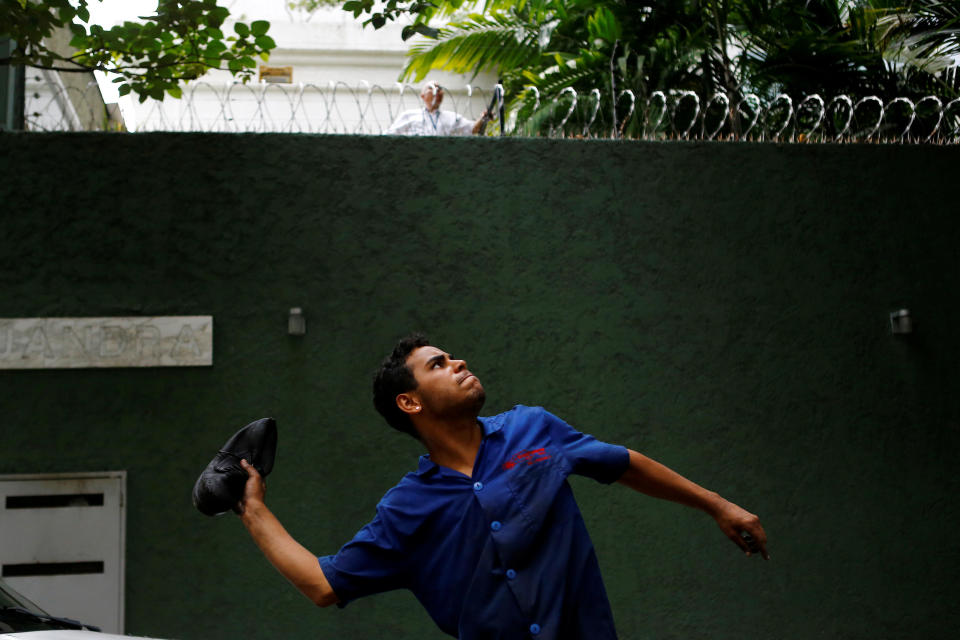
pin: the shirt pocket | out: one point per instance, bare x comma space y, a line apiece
535, 482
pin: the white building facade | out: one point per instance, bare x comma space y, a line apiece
328, 74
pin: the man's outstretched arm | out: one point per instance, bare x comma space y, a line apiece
654, 479
290, 558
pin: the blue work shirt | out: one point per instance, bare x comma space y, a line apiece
504, 554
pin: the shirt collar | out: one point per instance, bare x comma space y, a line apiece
490, 426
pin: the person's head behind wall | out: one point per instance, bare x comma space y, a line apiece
432, 95
393, 378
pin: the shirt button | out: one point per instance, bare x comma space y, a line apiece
534, 629
511, 574
477, 486
495, 525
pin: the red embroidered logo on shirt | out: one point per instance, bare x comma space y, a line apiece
530, 457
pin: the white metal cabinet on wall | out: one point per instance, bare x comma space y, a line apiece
62, 543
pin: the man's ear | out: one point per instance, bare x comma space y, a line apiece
409, 403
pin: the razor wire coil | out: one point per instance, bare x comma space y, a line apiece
338, 107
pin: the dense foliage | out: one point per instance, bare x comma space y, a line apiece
181, 41
729, 47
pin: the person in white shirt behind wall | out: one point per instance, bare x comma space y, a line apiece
430, 120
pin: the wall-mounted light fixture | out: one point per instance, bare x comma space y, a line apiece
901, 322
297, 323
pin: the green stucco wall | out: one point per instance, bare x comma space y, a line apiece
720, 307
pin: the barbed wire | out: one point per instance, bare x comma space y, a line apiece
369, 109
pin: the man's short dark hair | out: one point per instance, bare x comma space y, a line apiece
393, 378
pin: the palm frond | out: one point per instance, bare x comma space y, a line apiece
571, 73
474, 45
924, 33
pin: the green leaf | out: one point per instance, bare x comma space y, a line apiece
216, 16
83, 14
175, 91
215, 48
242, 30
265, 42
412, 29
123, 89
259, 27
604, 27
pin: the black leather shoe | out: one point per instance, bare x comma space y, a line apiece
220, 487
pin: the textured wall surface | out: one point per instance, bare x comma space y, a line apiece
720, 307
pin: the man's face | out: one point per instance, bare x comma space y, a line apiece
445, 387
432, 96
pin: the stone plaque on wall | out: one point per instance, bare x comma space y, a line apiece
73, 343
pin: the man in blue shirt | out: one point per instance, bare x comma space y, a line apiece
486, 533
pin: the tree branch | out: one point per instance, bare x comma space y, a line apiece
118, 70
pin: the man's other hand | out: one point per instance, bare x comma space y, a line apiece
743, 528
481, 124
